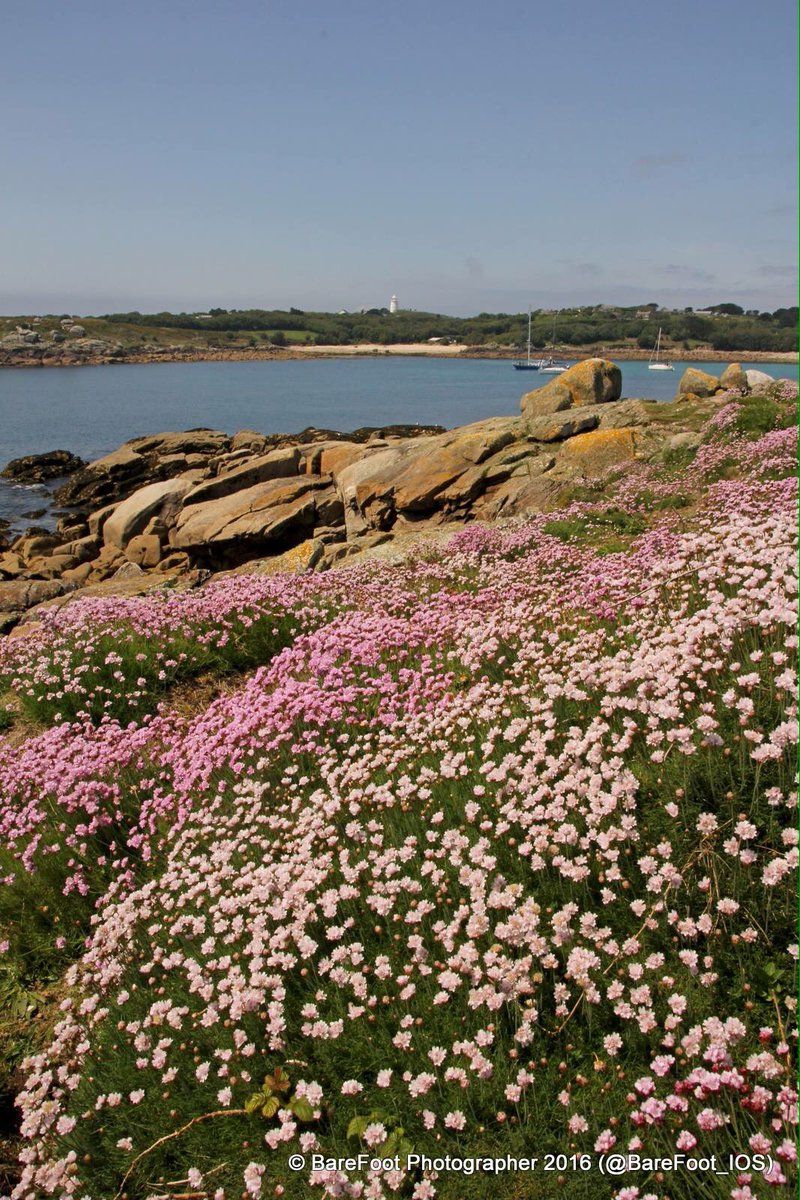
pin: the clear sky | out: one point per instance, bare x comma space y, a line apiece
467, 156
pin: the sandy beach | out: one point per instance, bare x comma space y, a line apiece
436, 351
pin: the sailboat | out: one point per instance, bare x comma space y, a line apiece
549, 366
655, 364
529, 364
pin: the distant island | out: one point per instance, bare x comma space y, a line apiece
718, 333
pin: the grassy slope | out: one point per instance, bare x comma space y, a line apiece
608, 521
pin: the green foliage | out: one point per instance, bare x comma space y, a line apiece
588, 325
678, 458
587, 526
679, 500
759, 415
274, 1095
395, 1143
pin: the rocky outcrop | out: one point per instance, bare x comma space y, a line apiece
594, 381
142, 460
36, 468
412, 480
277, 464
558, 428
176, 505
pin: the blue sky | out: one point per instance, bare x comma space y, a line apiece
466, 156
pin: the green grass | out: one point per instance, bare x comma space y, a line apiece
601, 529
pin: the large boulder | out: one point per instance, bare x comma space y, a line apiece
758, 381
420, 476
698, 383
329, 458
129, 518
249, 439
106, 479
734, 377
365, 484
238, 526
594, 381
419, 481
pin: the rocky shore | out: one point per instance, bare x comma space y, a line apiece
30, 350
171, 509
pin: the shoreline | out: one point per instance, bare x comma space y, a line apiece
369, 350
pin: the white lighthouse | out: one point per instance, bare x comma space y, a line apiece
393, 304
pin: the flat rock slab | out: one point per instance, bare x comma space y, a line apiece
20, 594
189, 441
278, 464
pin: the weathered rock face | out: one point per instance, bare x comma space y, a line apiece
595, 381
413, 478
131, 516
144, 550
190, 441
558, 428
21, 594
249, 439
596, 452
35, 468
236, 527
698, 383
734, 376
278, 464
142, 460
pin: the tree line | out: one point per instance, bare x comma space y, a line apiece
724, 327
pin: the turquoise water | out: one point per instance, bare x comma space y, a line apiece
92, 410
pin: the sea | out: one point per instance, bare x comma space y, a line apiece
92, 410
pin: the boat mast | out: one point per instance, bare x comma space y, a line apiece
529, 334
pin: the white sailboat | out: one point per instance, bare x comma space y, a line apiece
549, 366
655, 364
529, 364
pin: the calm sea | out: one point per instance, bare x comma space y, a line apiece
92, 410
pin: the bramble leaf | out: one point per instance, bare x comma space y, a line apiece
301, 1108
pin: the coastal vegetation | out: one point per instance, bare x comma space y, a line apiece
725, 327
484, 850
